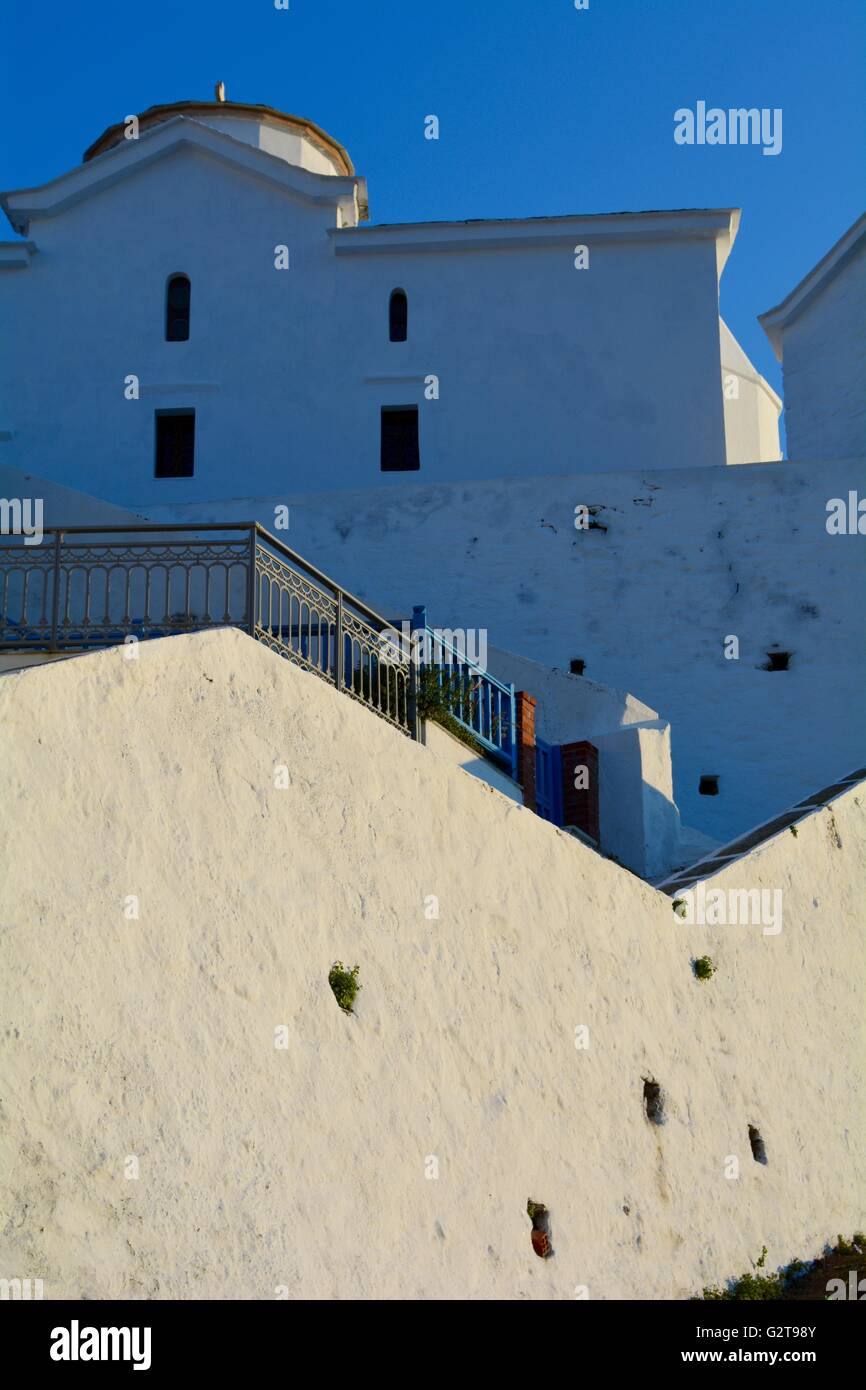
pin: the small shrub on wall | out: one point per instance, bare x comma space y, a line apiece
345, 985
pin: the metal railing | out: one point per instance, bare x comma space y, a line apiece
481, 704
85, 587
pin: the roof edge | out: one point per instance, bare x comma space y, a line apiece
812, 284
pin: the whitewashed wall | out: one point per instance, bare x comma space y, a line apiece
308, 1167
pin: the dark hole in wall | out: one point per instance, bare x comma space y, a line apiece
777, 661
577, 666
653, 1102
709, 786
759, 1149
540, 1218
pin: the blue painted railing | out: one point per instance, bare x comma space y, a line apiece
481, 704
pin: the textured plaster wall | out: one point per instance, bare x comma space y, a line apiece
391, 1153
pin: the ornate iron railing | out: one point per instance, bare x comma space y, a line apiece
84, 587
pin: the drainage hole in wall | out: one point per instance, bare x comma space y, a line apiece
653, 1102
708, 786
777, 661
759, 1148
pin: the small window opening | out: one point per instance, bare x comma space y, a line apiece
778, 661
759, 1149
708, 786
399, 317
400, 450
653, 1102
177, 301
577, 666
175, 444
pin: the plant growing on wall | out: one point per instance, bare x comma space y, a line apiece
704, 968
439, 694
799, 1279
345, 985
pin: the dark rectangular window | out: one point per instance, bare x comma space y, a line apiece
400, 449
175, 443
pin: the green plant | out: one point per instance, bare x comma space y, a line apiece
793, 830
751, 1287
535, 1210
704, 968
345, 985
677, 904
440, 694
799, 1279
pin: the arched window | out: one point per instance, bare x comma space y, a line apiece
177, 296
399, 317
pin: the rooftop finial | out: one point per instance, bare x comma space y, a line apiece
220, 91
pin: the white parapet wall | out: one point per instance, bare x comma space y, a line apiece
192, 837
639, 822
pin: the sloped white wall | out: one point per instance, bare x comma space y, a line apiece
311, 1168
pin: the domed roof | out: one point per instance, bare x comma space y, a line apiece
217, 112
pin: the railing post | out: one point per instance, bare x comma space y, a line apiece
512, 731
251, 583
339, 655
418, 624
55, 598
412, 700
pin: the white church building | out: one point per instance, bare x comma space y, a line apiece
201, 309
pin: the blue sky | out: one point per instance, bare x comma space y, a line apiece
544, 109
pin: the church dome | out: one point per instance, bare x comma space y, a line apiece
297, 141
